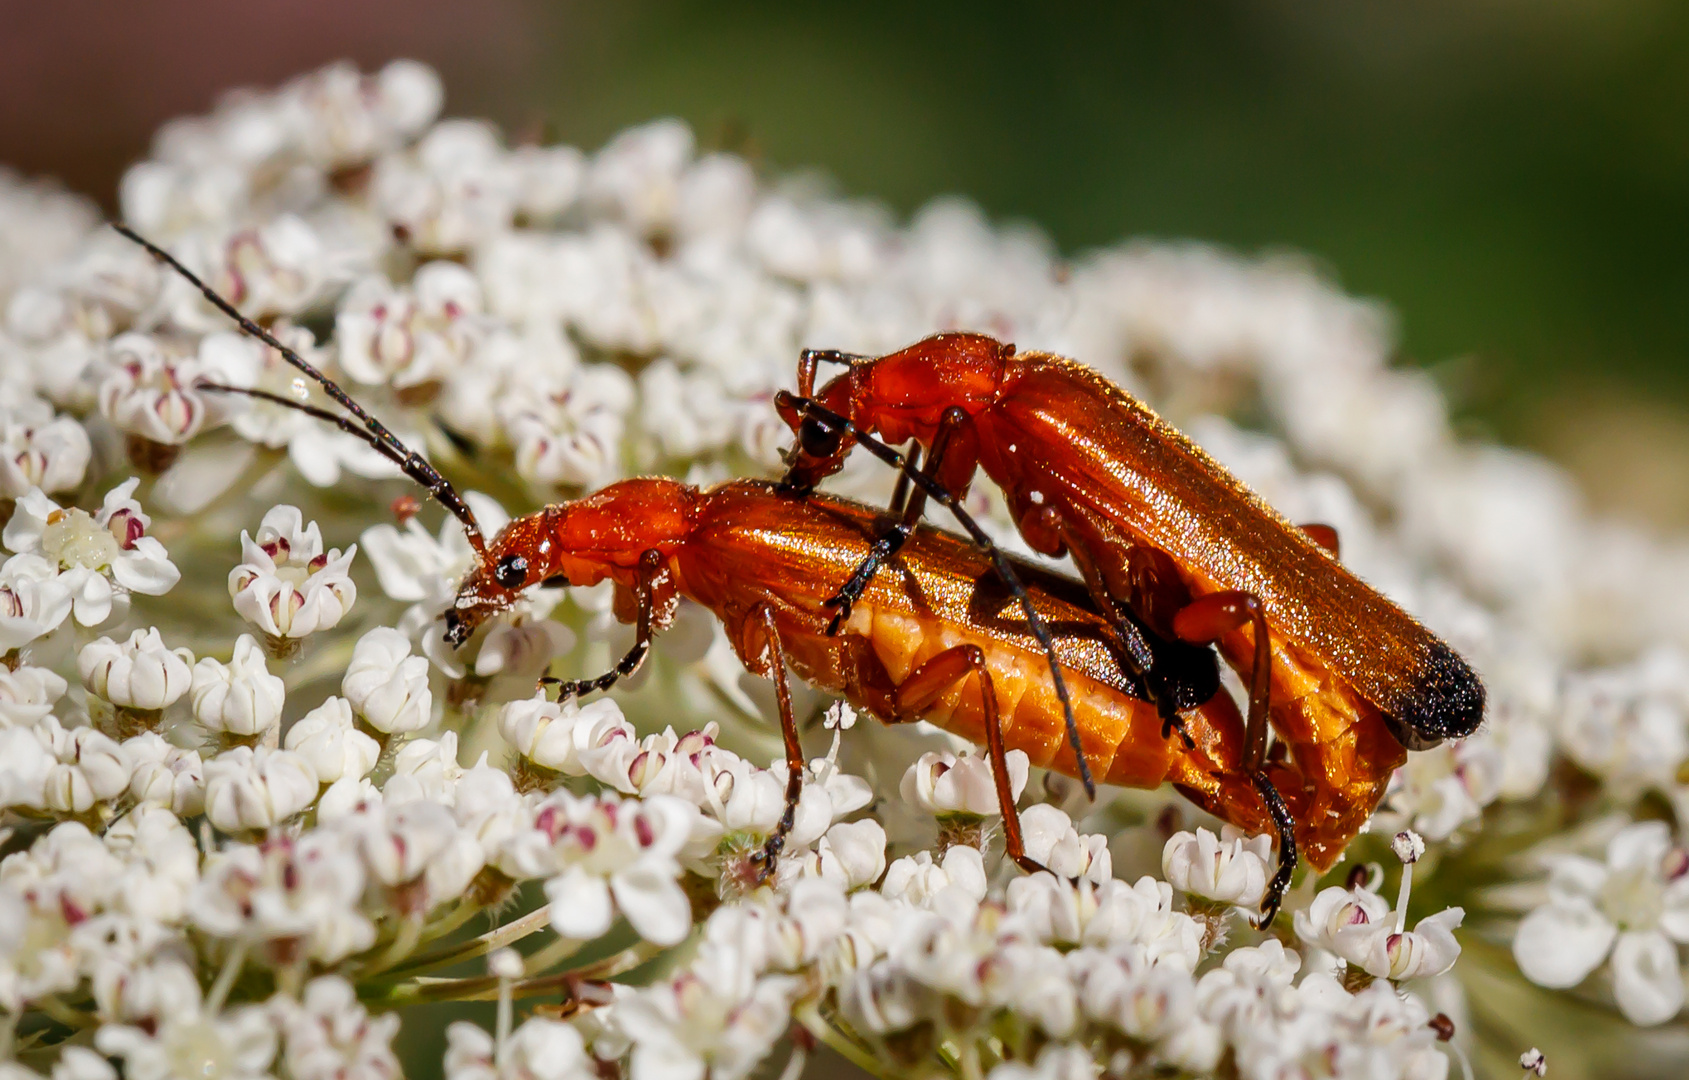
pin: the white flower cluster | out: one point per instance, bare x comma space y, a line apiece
238, 834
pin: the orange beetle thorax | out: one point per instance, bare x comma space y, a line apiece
903, 395
604, 534
900, 396
582, 542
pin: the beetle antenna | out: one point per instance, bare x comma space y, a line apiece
937, 492
810, 359
345, 424
372, 431
834, 356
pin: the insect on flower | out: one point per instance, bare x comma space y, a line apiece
938, 640
1165, 538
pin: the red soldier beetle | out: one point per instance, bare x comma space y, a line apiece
938, 647
1156, 527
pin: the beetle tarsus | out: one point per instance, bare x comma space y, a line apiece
769, 859
1285, 825
651, 568
852, 590
1176, 723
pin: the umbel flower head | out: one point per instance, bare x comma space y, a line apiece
251, 819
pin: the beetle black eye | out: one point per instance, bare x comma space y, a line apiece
511, 571
819, 440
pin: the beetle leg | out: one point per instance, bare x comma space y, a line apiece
884, 548
1323, 535
764, 613
900, 487
653, 578
907, 506
926, 684
810, 359
1054, 536
1206, 620
1285, 825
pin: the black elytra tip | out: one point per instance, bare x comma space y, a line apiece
1447, 702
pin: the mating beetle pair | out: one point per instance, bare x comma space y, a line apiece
1116, 676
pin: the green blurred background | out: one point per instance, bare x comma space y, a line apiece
1511, 176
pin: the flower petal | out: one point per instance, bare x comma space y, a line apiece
580, 904
665, 1060
654, 903
91, 594
1643, 844
1558, 945
1674, 920
1573, 878
146, 569
1647, 983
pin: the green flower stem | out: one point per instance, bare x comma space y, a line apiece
70, 1017
486, 987
232, 965
404, 943
553, 954
841, 1043
496, 938
461, 912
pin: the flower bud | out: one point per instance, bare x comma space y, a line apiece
853, 853
398, 845
33, 600
286, 584
127, 991
138, 674
39, 450
425, 769
254, 789
27, 695
942, 783
1340, 919
327, 738
410, 335
156, 396
916, 878
241, 697
27, 752
554, 735
386, 685
1052, 840
569, 429
1428, 949
1228, 869
636, 175
166, 775
91, 768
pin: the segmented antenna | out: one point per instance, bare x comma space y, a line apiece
936, 491
372, 430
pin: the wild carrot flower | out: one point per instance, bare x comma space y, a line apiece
249, 820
